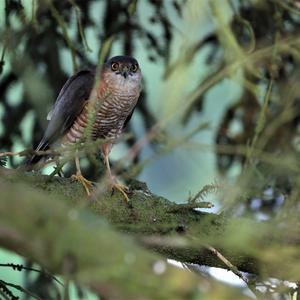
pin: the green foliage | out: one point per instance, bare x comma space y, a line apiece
225, 82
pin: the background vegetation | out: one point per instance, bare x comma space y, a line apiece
218, 121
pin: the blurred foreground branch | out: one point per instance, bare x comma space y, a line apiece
50, 221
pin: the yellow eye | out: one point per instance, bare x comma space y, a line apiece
134, 68
115, 66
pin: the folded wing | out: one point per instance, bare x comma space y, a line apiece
67, 107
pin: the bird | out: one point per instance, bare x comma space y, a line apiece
111, 93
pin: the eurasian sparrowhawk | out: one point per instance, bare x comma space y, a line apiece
112, 98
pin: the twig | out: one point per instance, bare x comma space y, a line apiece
7, 293
19, 153
33, 12
283, 46
132, 7
62, 24
105, 48
2, 62
20, 267
19, 288
189, 206
60, 150
235, 270
260, 123
5, 297
79, 25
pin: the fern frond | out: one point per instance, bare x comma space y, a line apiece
204, 192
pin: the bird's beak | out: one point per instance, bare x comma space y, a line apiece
125, 72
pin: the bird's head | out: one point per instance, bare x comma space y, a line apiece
122, 70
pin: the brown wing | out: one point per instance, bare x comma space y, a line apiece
67, 107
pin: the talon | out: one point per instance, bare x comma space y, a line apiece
88, 185
124, 190
114, 185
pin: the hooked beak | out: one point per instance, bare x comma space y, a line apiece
125, 72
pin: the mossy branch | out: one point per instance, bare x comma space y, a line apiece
50, 220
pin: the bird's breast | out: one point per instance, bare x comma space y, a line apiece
112, 114
105, 118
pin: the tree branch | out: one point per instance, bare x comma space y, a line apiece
53, 219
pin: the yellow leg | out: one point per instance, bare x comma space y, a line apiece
114, 184
88, 186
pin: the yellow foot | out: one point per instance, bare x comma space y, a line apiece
88, 185
122, 189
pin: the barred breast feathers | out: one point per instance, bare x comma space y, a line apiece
115, 98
